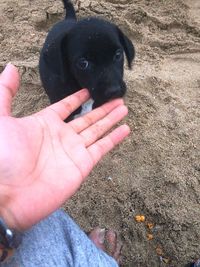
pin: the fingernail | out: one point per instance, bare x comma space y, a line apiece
7, 65
101, 236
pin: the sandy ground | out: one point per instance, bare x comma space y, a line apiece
156, 171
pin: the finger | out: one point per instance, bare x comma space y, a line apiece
9, 84
94, 132
90, 118
66, 106
104, 145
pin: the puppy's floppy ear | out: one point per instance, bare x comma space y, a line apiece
53, 55
128, 47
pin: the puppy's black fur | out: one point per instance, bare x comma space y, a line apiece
84, 54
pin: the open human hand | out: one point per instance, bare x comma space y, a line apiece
43, 160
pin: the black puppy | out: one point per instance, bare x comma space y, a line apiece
84, 54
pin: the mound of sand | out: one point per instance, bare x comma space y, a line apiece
155, 172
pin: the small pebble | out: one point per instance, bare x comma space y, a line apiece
149, 237
140, 218
150, 226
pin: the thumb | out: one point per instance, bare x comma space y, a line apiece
9, 84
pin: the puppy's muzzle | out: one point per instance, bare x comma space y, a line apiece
115, 91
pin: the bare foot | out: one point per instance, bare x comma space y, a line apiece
108, 241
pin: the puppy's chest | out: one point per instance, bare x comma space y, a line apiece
85, 108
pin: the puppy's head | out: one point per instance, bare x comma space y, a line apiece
93, 55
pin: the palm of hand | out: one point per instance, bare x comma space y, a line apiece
38, 161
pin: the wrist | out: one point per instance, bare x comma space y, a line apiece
8, 211
10, 236
9, 240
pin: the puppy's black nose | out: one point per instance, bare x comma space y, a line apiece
112, 92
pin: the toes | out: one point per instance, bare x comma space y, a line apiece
97, 235
111, 241
108, 241
113, 245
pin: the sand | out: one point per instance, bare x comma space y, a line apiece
155, 172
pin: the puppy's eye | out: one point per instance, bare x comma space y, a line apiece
82, 64
118, 55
